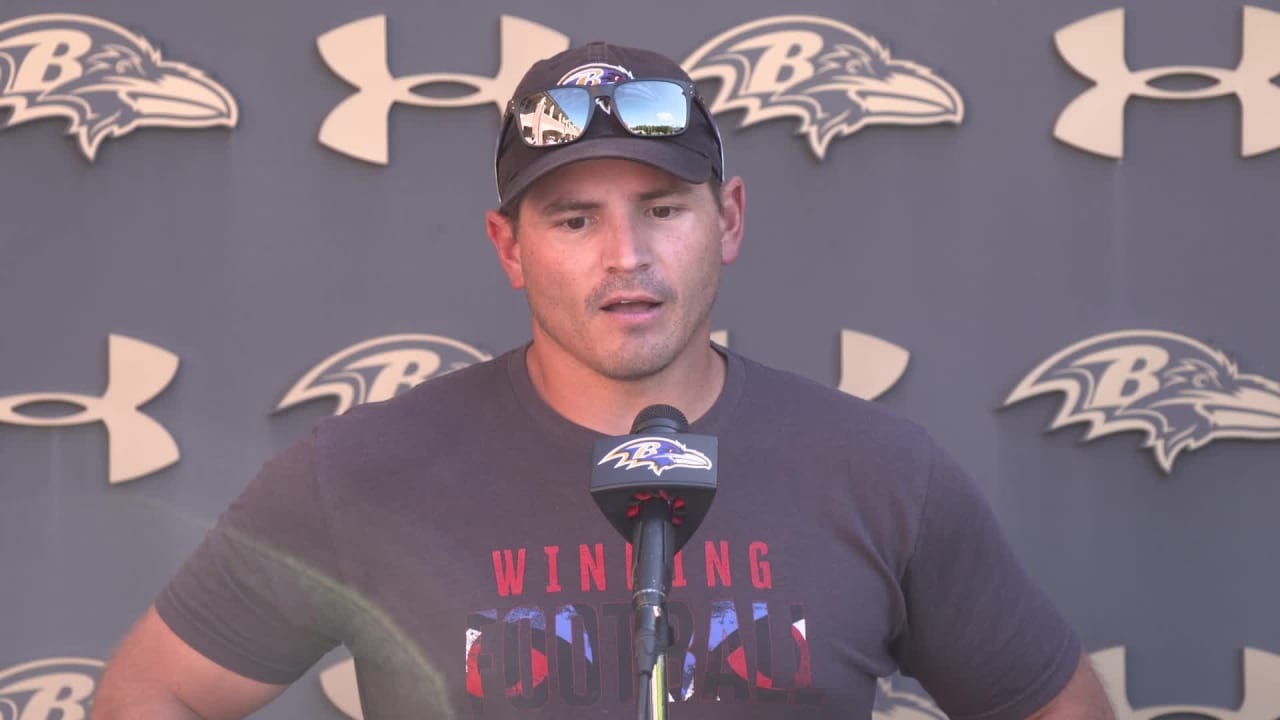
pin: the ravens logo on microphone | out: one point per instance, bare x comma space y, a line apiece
656, 453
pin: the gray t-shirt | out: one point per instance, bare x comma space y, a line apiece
448, 539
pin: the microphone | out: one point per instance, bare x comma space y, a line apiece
658, 457
654, 486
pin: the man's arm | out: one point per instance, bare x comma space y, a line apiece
154, 675
1082, 699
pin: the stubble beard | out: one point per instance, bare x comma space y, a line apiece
631, 361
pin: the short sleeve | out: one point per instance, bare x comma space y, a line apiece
980, 636
257, 595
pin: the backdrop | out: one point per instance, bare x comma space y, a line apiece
1045, 230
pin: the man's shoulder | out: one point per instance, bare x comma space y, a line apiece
438, 410
820, 424
808, 405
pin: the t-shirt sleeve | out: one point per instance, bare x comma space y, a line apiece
256, 597
980, 636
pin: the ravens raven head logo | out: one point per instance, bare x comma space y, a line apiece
104, 79
659, 454
380, 368
64, 685
833, 77
1182, 393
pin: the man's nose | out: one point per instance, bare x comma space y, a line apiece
626, 248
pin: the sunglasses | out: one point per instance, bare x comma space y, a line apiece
652, 108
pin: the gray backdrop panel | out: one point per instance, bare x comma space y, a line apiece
983, 249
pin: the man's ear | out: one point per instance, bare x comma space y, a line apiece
733, 205
502, 233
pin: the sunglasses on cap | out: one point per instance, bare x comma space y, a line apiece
649, 108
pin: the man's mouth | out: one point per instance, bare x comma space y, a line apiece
628, 307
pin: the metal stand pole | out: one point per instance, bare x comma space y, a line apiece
654, 545
657, 695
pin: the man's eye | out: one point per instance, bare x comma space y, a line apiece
662, 212
575, 223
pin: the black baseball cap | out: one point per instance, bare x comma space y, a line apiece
694, 155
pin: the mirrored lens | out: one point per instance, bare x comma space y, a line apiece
554, 116
652, 107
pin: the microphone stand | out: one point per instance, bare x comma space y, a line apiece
654, 545
655, 487
654, 706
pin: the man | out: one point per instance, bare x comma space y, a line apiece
453, 522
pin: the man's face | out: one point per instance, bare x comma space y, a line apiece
619, 262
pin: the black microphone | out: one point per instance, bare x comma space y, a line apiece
655, 486
658, 457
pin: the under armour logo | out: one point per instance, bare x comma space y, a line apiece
869, 365
1261, 692
1094, 47
357, 53
137, 445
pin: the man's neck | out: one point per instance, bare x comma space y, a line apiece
692, 383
